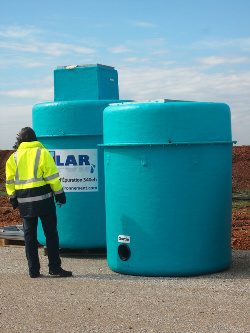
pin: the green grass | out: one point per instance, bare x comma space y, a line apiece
3, 190
241, 204
242, 194
236, 205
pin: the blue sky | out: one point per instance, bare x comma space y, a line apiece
190, 50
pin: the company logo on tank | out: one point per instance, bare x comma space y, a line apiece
78, 169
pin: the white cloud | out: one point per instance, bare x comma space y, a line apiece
237, 43
161, 51
32, 64
166, 63
191, 83
44, 94
213, 60
17, 32
176, 80
13, 118
149, 44
136, 60
144, 24
21, 61
119, 49
102, 25
53, 49
19, 47
130, 59
46, 81
41, 90
57, 49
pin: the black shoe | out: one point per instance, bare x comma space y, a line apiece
35, 275
61, 272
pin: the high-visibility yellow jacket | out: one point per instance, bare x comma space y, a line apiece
31, 180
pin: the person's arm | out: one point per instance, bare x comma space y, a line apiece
10, 181
51, 176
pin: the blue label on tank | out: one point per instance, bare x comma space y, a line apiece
72, 160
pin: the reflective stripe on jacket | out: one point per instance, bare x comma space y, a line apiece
32, 177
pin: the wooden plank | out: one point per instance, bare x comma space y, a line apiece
10, 242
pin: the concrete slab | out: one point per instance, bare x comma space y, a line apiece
97, 299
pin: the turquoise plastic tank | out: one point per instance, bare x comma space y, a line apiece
168, 175
71, 129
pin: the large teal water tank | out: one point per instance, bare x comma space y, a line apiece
168, 176
71, 129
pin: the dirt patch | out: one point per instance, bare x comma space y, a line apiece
8, 216
241, 169
4, 155
241, 228
240, 181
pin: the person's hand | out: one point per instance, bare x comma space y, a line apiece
59, 204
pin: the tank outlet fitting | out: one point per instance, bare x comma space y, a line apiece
124, 252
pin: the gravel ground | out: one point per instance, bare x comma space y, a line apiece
97, 299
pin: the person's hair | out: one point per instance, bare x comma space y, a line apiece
26, 135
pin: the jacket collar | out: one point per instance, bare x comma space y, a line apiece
32, 144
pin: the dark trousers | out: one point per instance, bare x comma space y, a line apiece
49, 224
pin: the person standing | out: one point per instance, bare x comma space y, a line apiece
32, 182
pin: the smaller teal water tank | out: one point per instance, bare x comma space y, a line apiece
168, 176
71, 131
71, 128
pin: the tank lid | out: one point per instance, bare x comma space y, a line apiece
150, 101
166, 122
89, 65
